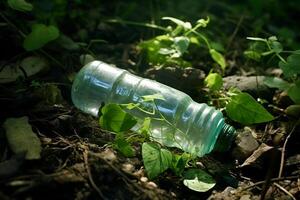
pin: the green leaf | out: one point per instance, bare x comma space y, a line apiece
123, 146
203, 22
198, 180
217, 57
185, 25
179, 162
39, 36
145, 127
274, 82
294, 91
257, 39
292, 66
293, 110
181, 44
276, 46
244, 109
214, 81
252, 55
114, 118
156, 160
20, 5
21, 138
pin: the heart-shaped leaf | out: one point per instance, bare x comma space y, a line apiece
244, 109
39, 36
156, 160
198, 180
114, 118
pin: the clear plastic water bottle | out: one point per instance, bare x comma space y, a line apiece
190, 126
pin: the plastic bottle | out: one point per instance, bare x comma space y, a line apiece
188, 125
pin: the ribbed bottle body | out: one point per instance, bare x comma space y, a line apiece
176, 120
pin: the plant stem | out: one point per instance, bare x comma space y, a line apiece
148, 25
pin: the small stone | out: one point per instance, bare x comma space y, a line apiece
108, 154
245, 197
144, 179
151, 185
128, 168
246, 144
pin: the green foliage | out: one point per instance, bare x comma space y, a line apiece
214, 81
114, 118
156, 160
243, 108
123, 146
20, 5
218, 58
171, 47
179, 163
291, 67
274, 82
39, 36
198, 180
294, 92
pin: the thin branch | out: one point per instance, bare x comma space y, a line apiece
284, 190
85, 156
235, 31
283, 151
272, 180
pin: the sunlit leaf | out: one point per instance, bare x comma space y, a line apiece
181, 44
257, 39
198, 180
244, 109
203, 22
218, 58
214, 81
185, 25
39, 36
156, 160
114, 118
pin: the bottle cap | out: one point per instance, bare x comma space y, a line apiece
225, 139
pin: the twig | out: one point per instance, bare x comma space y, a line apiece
272, 180
235, 32
85, 157
12, 24
283, 151
284, 190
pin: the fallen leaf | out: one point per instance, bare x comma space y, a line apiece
21, 138
256, 154
198, 180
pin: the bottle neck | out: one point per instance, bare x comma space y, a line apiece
225, 138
